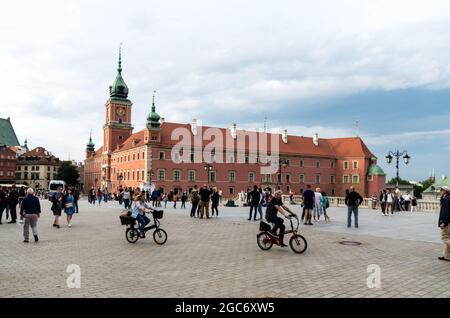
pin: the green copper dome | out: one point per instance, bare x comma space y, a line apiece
375, 170
90, 146
153, 117
119, 90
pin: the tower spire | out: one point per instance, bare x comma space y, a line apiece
119, 69
153, 104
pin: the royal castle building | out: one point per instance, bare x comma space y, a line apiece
132, 159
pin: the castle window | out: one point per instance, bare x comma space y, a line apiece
161, 155
346, 165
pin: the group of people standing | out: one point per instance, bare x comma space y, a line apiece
393, 201
98, 195
201, 199
315, 204
9, 198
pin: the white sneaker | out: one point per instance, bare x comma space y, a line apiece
70, 225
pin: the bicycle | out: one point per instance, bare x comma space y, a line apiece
132, 232
266, 239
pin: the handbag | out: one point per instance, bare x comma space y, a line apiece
69, 205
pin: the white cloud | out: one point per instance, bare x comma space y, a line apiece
208, 57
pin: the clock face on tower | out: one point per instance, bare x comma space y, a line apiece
120, 111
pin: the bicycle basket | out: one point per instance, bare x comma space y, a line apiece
263, 226
126, 219
158, 214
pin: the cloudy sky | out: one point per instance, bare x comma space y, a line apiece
378, 69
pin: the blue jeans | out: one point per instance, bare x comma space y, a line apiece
143, 221
353, 209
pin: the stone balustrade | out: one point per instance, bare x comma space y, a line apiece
422, 205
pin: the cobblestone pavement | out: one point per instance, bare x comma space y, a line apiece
210, 258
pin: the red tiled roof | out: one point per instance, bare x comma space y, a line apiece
135, 140
297, 145
99, 151
350, 147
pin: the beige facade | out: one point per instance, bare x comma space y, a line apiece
37, 168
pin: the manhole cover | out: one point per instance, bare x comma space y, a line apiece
350, 243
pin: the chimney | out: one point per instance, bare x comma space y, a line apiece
194, 127
316, 139
285, 136
233, 131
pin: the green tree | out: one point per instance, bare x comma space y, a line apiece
425, 185
69, 173
393, 181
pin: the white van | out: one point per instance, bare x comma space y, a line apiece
54, 185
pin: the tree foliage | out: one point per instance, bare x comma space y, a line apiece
69, 173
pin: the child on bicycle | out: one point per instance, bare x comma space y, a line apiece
138, 210
276, 205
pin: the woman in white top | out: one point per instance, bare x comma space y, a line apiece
318, 209
138, 210
390, 203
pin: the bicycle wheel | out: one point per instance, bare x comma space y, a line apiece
160, 236
132, 235
264, 241
298, 244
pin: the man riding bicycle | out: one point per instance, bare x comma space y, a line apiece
276, 205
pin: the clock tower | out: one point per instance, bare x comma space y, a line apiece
117, 127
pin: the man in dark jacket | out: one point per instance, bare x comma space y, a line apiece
444, 220
254, 202
13, 199
352, 201
30, 210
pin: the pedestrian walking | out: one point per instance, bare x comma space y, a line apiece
390, 201
383, 201
308, 204
205, 195
127, 198
215, 202
195, 198
325, 206
69, 206
57, 206
444, 220
374, 201
99, 196
174, 198
353, 201
30, 210
407, 201
165, 198
184, 197
76, 197
254, 197
318, 211
414, 204
261, 201
13, 200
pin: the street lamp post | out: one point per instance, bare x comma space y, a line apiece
95, 184
149, 176
208, 168
282, 163
397, 155
120, 178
